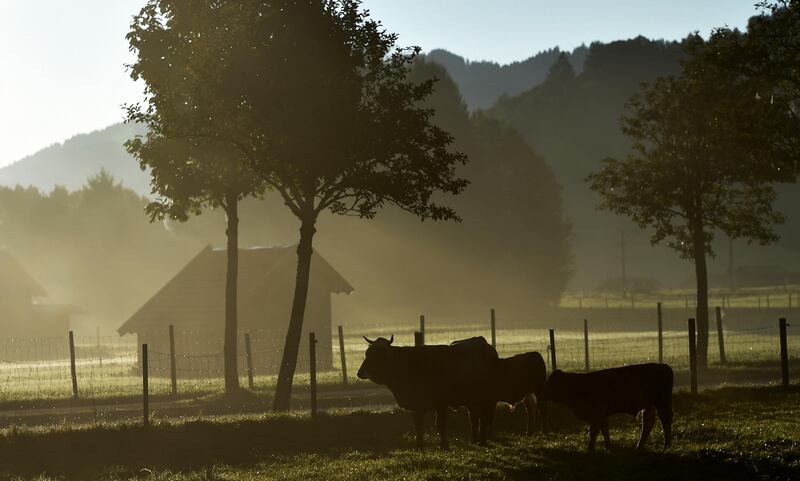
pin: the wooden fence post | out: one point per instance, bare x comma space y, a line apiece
553, 349
494, 332
422, 328
660, 334
418, 341
72, 369
586, 344
341, 352
249, 356
784, 354
172, 364
692, 356
145, 387
312, 355
721, 337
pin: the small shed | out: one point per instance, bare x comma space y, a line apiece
193, 302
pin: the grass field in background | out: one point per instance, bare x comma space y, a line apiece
104, 379
763, 297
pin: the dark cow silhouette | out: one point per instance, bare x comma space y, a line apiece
594, 396
517, 379
425, 378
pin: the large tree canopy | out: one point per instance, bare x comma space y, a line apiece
341, 126
314, 95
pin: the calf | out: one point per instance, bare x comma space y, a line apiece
594, 396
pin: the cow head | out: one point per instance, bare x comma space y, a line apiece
376, 363
557, 386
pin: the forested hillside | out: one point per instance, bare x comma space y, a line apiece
572, 119
547, 121
482, 83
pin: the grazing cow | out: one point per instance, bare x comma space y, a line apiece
517, 379
425, 378
594, 396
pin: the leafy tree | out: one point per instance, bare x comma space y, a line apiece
195, 123
765, 56
337, 127
699, 165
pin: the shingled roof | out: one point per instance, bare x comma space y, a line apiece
14, 277
197, 291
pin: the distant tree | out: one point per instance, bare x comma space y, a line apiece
560, 77
339, 127
513, 191
699, 165
193, 145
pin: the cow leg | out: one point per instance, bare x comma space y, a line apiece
648, 420
441, 425
606, 437
594, 429
475, 422
530, 408
543, 412
665, 415
487, 422
419, 424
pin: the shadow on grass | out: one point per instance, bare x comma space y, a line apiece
197, 445
628, 464
191, 445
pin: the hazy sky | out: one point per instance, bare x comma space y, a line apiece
61, 62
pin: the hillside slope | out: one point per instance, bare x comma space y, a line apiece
70, 163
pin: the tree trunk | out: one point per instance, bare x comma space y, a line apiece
283, 390
701, 274
231, 298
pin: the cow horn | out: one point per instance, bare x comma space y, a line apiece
368, 341
392, 339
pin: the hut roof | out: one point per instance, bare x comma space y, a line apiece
14, 278
197, 291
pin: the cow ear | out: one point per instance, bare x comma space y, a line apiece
391, 340
368, 341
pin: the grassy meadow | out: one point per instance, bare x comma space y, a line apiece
732, 434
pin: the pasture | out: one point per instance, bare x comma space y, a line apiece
737, 433
108, 370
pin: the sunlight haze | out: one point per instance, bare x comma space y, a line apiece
62, 63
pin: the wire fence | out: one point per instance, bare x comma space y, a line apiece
110, 366
786, 298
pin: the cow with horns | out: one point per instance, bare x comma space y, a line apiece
433, 378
